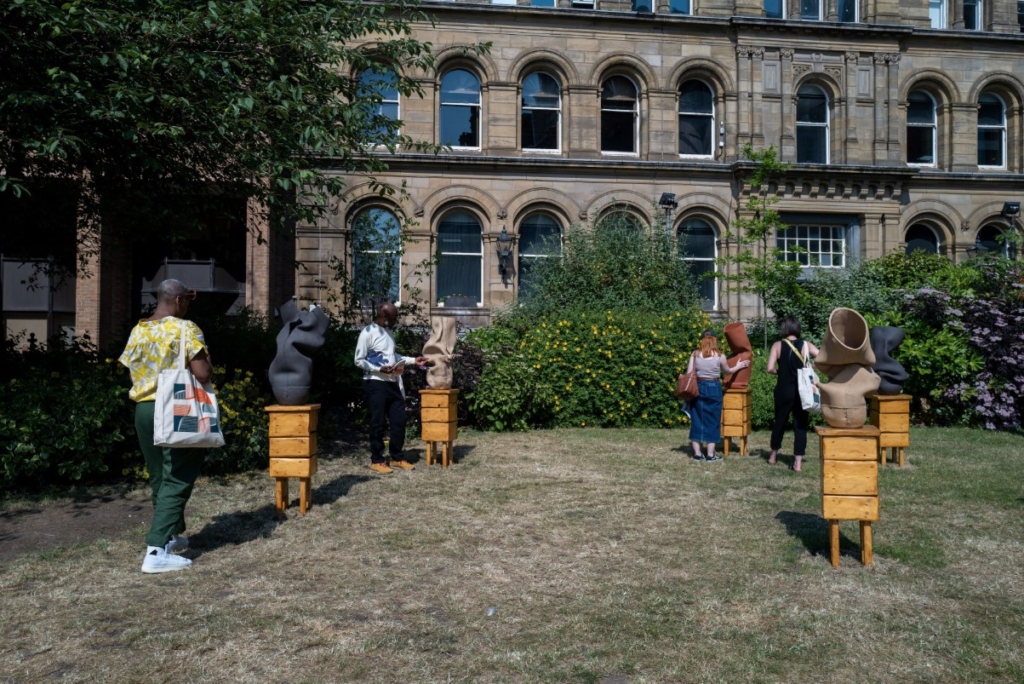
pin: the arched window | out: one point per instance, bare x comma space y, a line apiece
810, 10
696, 119
460, 109
621, 218
921, 238
848, 11
680, 7
921, 128
540, 237
620, 116
991, 131
541, 120
774, 9
376, 256
460, 256
811, 125
698, 248
382, 87
992, 238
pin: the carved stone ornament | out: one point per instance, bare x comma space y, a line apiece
801, 69
965, 226
757, 51
852, 57
879, 58
502, 214
418, 212
785, 54
893, 58
742, 50
835, 72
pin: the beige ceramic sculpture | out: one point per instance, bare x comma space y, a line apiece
846, 358
438, 352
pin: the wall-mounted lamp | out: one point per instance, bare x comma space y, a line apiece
721, 135
668, 203
1010, 209
504, 255
977, 249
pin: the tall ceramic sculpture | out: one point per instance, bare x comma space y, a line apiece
739, 343
438, 352
846, 358
291, 371
884, 340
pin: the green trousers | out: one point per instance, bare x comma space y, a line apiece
172, 473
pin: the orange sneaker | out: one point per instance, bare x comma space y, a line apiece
380, 468
404, 465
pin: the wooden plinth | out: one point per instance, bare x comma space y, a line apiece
891, 415
849, 483
737, 418
292, 451
439, 420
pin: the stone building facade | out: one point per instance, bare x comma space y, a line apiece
902, 122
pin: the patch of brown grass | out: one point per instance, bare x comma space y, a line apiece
606, 556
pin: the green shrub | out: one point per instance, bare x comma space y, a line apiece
613, 369
243, 421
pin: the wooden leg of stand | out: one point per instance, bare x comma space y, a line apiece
881, 455
280, 495
743, 446
901, 457
865, 542
430, 454
727, 444
305, 491
446, 454
833, 542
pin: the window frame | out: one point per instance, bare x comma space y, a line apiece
783, 241
558, 111
530, 256
636, 111
1003, 129
440, 254
942, 14
934, 125
925, 226
396, 253
712, 116
687, 13
396, 102
856, 11
782, 10
805, 17
479, 107
715, 301
1006, 248
826, 125
979, 15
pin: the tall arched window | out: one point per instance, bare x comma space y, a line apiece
698, 248
376, 256
812, 125
460, 256
696, 119
921, 238
621, 218
921, 128
384, 86
991, 131
992, 238
540, 237
620, 116
460, 109
541, 120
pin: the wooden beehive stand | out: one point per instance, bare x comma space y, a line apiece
440, 422
737, 418
292, 451
891, 415
849, 483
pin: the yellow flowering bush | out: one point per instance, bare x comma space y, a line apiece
243, 421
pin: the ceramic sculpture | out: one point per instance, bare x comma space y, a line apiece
438, 351
884, 340
739, 343
846, 358
291, 371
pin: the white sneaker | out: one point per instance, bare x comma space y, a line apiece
158, 560
178, 544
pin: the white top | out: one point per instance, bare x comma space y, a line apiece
376, 348
709, 368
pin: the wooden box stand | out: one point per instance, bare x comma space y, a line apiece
891, 415
440, 422
292, 451
849, 483
737, 418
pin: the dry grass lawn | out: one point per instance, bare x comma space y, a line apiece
552, 556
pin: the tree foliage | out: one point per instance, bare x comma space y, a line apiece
255, 99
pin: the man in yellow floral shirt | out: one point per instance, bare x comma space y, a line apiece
154, 346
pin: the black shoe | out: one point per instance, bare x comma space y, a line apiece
712, 459
698, 457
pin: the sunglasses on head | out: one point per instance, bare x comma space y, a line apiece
188, 294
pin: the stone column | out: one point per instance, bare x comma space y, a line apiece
787, 141
743, 132
958, 14
584, 134
881, 142
502, 114
850, 108
832, 13
895, 152
756, 87
963, 137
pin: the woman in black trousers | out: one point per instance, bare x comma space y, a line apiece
785, 358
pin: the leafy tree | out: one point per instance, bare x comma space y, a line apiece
131, 102
760, 265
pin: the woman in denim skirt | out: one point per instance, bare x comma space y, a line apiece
706, 410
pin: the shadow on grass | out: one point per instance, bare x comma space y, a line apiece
812, 531
418, 456
240, 527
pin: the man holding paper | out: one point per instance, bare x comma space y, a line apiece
382, 383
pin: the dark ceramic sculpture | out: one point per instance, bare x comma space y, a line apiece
291, 371
739, 343
884, 340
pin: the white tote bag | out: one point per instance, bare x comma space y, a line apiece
186, 414
810, 395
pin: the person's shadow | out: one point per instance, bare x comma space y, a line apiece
240, 527
812, 531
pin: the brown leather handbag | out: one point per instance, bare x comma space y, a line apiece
686, 385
